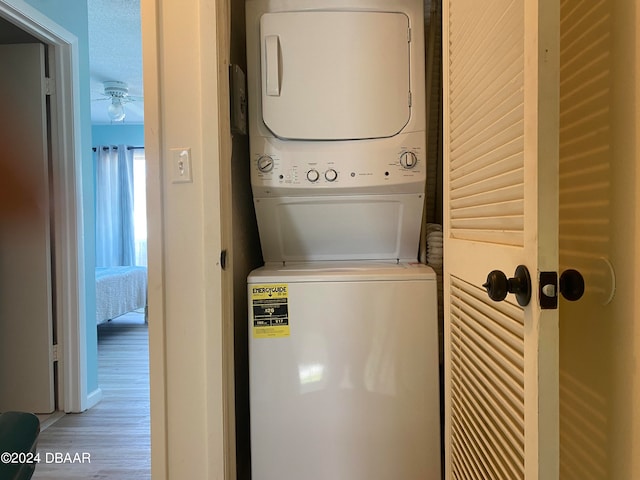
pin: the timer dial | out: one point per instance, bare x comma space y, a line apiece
265, 163
408, 160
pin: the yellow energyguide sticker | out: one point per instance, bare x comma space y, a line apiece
270, 304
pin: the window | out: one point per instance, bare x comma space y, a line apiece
140, 206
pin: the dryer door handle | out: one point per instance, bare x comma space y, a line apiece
272, 60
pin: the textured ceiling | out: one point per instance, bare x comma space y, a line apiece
115, 53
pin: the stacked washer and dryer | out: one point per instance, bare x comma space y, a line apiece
343, 349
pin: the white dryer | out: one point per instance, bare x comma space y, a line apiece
337, 127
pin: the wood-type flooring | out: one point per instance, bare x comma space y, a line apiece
111, 440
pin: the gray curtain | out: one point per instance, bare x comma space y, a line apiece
115, 243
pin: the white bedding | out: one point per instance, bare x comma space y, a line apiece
119, 290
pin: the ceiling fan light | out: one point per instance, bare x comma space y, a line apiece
116, 110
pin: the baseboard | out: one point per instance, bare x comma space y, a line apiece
94, 397
47, 420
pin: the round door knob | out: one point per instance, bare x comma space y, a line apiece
571, 285
498, 285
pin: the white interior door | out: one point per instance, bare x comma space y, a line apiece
501, 210
26, 366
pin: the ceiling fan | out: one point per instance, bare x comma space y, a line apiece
118, 93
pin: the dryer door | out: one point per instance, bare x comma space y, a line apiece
335, 75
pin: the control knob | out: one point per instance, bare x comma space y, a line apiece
265, 163
331, 175
313, 175
408, 160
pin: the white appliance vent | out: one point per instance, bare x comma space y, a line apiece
487, 386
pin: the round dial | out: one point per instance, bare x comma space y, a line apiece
331, 175
265, 163
313, 175
408, 160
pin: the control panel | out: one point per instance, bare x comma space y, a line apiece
275, 170
328, 169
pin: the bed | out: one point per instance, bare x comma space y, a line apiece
120, 290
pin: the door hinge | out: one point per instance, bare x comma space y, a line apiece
410, 99
49, 86
54, 352
409, 35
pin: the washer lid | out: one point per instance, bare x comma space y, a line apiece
304, 272
335, 75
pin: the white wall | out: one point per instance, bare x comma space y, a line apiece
600, 213
624, 321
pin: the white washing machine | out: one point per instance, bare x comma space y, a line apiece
343, 332
343, 364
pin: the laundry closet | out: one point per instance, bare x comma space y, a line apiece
341, 324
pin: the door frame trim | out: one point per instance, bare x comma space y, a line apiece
67, 183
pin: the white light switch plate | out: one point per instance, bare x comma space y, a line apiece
180, 159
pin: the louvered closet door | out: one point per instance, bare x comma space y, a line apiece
501, 211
